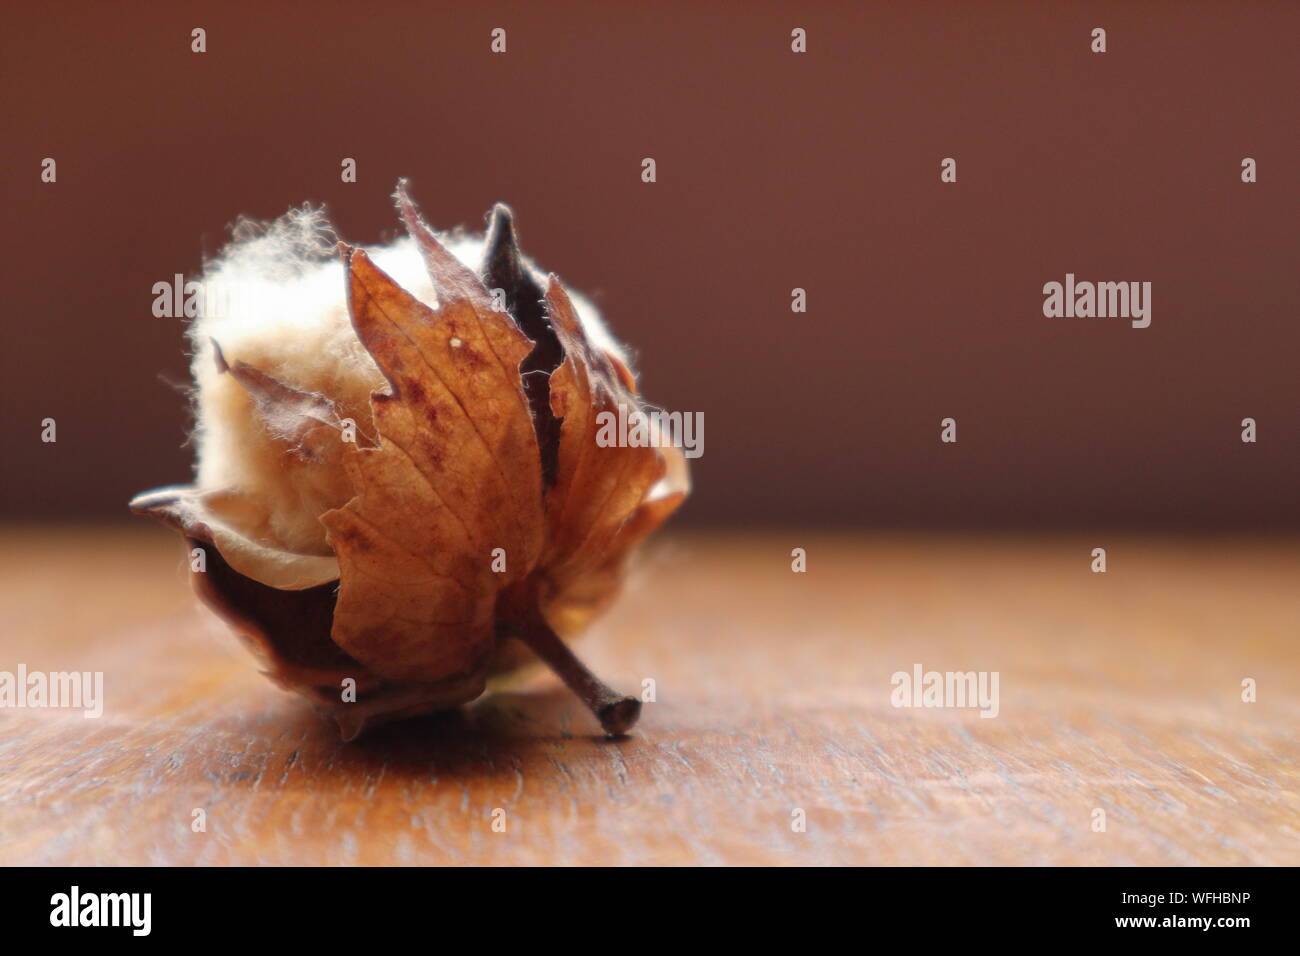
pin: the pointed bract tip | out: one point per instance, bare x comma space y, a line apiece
406, 206
219, 356
501, 256
501, 217
501, 238
149, 502
416, 227
554, 287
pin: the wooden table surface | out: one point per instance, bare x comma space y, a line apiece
1119, 691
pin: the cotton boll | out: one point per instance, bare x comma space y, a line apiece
281, 307
398, 594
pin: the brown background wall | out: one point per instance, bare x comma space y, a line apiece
775, 170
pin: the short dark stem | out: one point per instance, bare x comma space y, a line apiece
616, 712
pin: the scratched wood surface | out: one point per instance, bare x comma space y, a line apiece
1119, 691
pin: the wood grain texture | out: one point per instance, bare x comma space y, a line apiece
1119, 690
